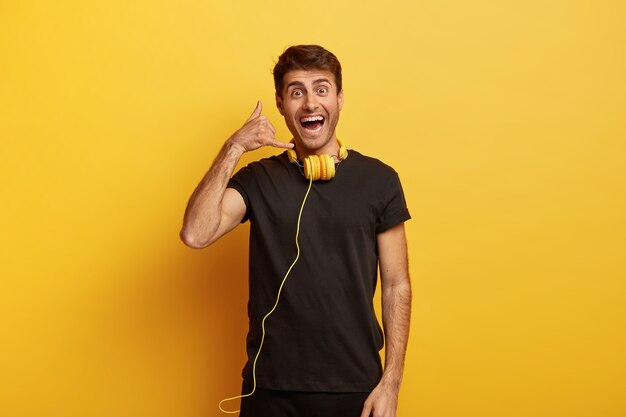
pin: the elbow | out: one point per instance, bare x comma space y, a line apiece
192, 240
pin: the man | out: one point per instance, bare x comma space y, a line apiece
318, 352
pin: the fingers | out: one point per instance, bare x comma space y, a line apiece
258, 131
261, 121
282, 145
257, 111
269, 124
367, 409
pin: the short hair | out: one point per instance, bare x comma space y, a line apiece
305, 57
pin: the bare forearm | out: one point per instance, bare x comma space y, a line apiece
396, 297
209, 214
203, 213
396, 300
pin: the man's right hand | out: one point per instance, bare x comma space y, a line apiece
257, 132
214, 209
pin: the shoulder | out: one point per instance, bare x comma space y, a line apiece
369, 164
269, 162
266, 166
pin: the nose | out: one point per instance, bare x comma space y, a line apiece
311, 103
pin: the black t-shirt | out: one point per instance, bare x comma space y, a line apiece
323, 335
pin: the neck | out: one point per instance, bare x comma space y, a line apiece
334, 148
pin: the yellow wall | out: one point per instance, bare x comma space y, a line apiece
505, 120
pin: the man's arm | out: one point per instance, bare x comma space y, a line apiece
214, 210
396, 306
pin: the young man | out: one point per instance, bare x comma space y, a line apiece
320, 350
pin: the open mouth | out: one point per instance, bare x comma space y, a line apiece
312, 124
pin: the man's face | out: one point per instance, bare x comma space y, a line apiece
310, 105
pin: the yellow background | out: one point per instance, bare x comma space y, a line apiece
505, 120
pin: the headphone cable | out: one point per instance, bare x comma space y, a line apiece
280, 289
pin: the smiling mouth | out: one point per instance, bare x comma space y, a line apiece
312, 124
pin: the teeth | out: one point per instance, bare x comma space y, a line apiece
312, 119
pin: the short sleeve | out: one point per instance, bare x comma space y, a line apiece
395, 210
239, 182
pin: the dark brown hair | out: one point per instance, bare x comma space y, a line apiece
307, 58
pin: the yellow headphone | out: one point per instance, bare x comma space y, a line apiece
319, 167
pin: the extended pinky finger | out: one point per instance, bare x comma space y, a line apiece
279, 144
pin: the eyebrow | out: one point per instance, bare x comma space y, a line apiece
301, 84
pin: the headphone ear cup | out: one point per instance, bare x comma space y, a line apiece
323, 168
307, 167
318, 167
330, 167
316, 164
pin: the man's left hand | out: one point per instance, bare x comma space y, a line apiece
382, 401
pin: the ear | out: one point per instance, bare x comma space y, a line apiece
340, 100
279, 104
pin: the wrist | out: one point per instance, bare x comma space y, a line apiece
391, 379
233, 148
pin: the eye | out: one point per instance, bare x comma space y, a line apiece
322, 90
296, 93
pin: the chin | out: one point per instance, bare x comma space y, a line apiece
314, 143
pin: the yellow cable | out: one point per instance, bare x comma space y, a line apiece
280, 289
